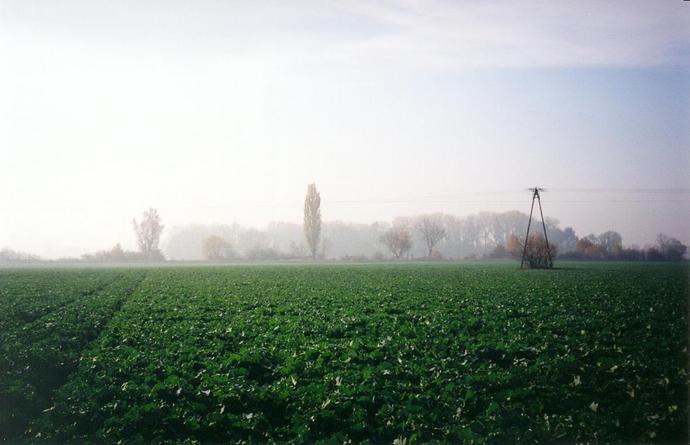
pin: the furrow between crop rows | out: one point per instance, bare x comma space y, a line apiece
28, 296
38, 358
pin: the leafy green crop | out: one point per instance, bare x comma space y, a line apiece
379, 353
55, 316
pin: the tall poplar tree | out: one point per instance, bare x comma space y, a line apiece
312, 219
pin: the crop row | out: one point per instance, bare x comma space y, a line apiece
37, 356
27, 295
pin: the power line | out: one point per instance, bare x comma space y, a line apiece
405, 201
623, 190
461, 196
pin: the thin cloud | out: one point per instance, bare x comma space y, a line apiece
527, 34
427, 35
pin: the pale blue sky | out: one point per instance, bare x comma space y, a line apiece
223, 111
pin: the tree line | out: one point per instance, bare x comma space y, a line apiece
433, 236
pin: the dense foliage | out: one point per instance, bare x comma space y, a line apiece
414, 352
48, 318
609, 247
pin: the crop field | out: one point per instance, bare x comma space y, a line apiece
382, 353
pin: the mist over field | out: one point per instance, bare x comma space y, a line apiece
221, 113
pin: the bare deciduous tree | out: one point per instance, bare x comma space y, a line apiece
312, 219
432, 230
215, 248
670, 248
149, 234
397, 240
611, 242
514, 247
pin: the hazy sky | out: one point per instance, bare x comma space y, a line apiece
222, 111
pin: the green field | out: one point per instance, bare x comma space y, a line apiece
415, 352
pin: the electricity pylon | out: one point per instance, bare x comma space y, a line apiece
535, 195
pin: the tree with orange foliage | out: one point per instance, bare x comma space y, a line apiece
536, 255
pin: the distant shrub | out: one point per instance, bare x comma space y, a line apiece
378, 256
266, 254
435, 256
354, 258
12, 256
499, 252
118, 255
